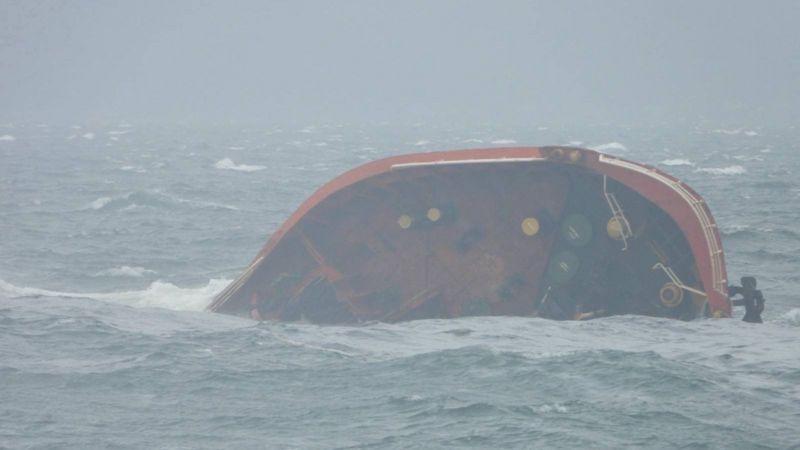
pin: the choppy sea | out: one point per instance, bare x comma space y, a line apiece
113, 239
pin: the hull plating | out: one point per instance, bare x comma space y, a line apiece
554, 232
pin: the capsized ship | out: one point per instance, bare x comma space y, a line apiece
554, 232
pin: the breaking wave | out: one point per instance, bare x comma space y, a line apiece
677, 162
125, 271
150, 197
99, 203
228, 164
7, 138
793, 316
734, 132
730, 170
504, 141
609, 146
159, 294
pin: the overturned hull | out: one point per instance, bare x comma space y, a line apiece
556, 232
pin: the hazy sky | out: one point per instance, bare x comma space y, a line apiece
448, 61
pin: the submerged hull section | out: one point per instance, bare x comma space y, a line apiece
555, 232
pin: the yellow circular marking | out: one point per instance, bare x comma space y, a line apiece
671, 295
575, 156
530, 226
614, 228
405, 221
717, 314
434, 214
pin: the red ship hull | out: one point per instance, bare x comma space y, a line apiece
556, 232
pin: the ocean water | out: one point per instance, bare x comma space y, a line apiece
113, 239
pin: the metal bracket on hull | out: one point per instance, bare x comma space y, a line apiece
677, 281
617, 214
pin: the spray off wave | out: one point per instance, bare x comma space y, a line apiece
159, 294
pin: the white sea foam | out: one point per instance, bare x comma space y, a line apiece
421, 143
159, 294
735, 131
609, 146
88, 136
575, 143
725, 131
118, 132
100, 203
730, 170
793, 316
504, 141
7, 138
677, 162
748, 158
133, 169
472, 141
125, 271
228, 164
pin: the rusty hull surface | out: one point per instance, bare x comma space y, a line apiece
556, 232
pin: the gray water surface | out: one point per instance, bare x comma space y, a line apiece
115, 238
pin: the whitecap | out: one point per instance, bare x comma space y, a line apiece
575, 143
750, 133
677, 162
118, 132
7, 138
609, 146
228, 164
88, 136
728, 132
125, 271
793, 316
553, 408
504, 141
421, 143
748, 158
472, 141
100, 203
133, 169
730, 170
159, 294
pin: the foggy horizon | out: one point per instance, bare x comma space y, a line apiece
621, 63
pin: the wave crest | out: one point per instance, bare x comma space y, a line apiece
730, 170
228, 164
159, 294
